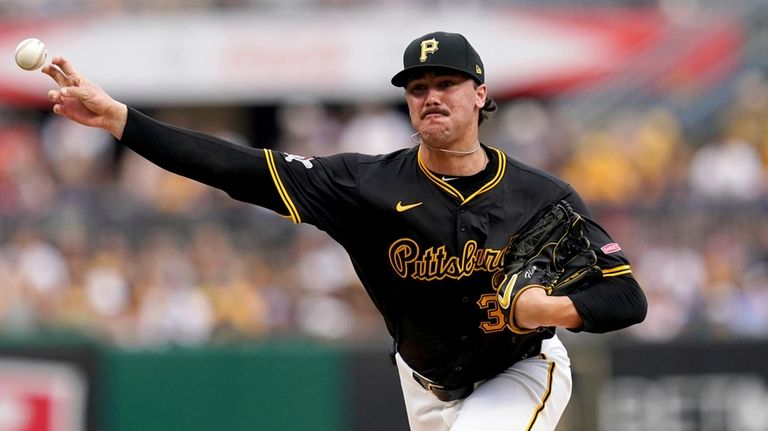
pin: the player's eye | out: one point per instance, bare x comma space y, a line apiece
416, 88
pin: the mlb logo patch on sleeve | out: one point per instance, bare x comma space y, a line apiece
610, 248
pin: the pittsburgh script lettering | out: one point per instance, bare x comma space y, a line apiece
434, 263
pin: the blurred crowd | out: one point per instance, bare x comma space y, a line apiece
96, 240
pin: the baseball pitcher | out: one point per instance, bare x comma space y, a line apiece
473, 259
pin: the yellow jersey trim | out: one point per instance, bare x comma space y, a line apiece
293, 213
437, 180
619, 270
500, 169
493, 182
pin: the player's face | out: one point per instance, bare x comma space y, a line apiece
444, 107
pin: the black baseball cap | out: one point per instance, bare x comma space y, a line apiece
442, 50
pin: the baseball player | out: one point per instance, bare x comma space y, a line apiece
426, 228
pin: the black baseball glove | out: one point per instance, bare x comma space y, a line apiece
553, 254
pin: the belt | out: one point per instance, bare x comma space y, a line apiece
444, 394
441, 392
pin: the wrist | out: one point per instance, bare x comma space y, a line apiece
534, 308
116, 119
529, 308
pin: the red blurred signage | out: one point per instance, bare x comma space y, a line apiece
41, 396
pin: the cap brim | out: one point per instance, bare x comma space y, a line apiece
401, 78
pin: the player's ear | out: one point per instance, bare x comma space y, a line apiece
481, 93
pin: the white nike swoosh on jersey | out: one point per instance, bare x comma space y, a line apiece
450, 178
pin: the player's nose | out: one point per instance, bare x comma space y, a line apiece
432, 97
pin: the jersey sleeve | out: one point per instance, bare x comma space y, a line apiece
242, 172
616, 301
322, 191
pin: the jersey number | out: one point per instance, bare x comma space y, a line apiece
490, 303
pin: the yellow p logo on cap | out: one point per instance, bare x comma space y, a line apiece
428, 47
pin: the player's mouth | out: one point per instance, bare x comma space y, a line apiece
434, 113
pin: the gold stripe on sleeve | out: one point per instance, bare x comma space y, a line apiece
619, 270
293, 213
545, 397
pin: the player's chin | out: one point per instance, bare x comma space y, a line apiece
435, 134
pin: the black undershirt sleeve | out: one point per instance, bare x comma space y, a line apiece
613, 303
240, 171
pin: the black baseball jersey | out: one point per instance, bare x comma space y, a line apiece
428, 253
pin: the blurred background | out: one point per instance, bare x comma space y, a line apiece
134, 299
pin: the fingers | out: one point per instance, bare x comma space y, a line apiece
55, 96
62, 72
55, 73
76, 92
65, 65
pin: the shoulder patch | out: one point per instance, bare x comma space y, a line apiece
610, 248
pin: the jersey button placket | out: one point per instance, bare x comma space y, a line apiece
463, 228
460, 224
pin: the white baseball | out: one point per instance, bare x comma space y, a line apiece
31, 54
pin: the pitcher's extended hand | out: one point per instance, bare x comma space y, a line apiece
83, 101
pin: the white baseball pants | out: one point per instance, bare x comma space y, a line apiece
531, 395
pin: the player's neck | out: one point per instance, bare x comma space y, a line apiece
464, 162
